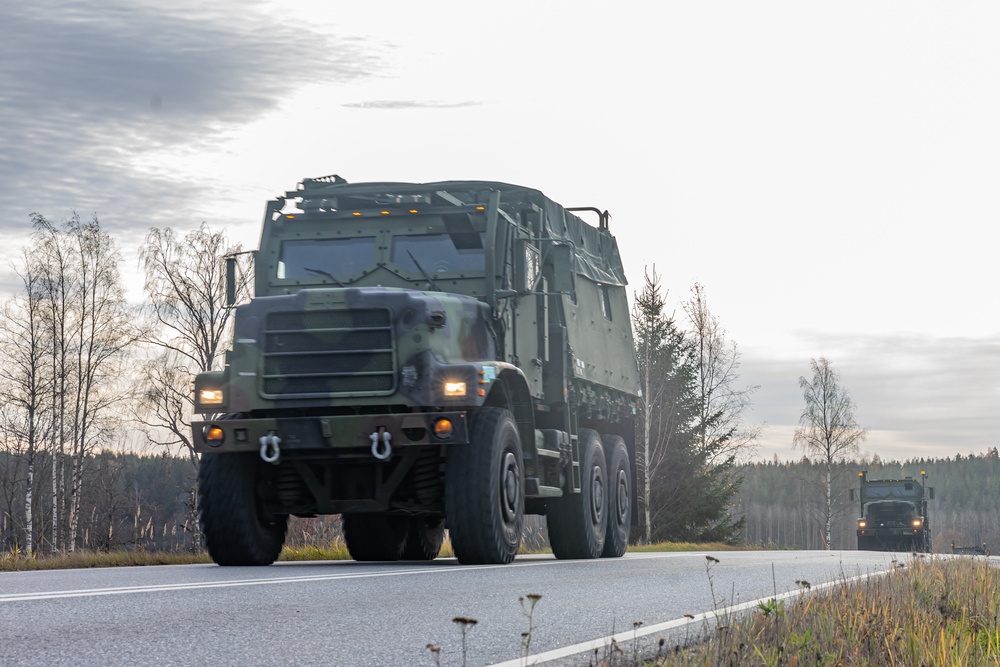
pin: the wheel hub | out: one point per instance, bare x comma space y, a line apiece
623, 498
596, 495
510, 483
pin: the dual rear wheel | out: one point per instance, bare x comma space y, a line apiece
596, 521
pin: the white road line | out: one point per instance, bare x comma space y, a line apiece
624, 638
157, 588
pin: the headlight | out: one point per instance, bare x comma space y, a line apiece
211, 397
862, 523
454, 389
917, 522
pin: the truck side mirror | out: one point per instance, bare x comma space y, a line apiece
230, 280
851, 492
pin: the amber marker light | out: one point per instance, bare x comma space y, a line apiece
211, 397
443, 429
454, 389
214, 435
384, 212
356, 214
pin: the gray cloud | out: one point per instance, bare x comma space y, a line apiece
90, 86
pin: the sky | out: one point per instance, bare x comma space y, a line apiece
826, 171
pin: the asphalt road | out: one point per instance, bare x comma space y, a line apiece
346, 613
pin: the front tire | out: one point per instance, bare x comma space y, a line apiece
372, 536
484, 490
577, 522
237, 530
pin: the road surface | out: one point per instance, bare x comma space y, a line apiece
352, 614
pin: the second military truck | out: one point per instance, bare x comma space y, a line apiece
419, 357
893, 514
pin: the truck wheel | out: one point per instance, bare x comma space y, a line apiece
374, 536
577, 522
619, 497
484, 490
236, 529
424, 539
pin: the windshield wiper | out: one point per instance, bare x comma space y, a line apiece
325, 274
425, 274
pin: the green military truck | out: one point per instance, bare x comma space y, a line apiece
893, 514
419, 357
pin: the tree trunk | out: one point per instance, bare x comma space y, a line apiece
28, 534
829, 503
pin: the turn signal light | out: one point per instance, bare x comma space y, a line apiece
214, 435
443, 429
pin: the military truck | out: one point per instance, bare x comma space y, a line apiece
893, 514
423, 356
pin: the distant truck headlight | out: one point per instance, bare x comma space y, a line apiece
918, 522
862, 523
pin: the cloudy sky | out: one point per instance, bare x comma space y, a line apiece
828, 171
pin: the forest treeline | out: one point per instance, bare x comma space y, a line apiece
140, 501
784, 501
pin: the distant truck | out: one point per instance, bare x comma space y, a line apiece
893, 514
420, 356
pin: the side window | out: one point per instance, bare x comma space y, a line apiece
606, 302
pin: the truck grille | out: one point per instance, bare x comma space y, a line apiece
329, 352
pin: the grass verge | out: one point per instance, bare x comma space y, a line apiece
936, 611
13, 562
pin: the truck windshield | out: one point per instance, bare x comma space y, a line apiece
887, 491
343, 258
439, 253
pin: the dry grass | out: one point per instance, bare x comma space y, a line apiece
937, 611
334, 550
13, 562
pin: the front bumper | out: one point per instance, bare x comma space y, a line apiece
339, 432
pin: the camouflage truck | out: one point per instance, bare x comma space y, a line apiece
419, 357
893, 514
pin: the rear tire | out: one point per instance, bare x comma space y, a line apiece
372, 536
577, 522
237, 531
424, 539
619, 497
484, 490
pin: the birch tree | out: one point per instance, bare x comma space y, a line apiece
827, 428
185, 282
186, 287
24, 382
91, 329
723, 402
